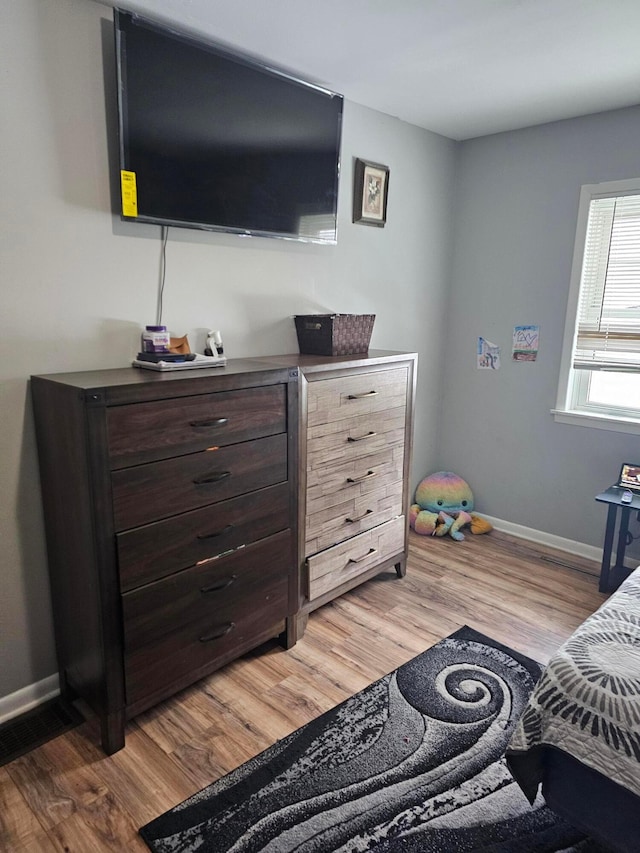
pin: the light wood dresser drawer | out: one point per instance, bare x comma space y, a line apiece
355, 437
330, 484
353, 515
331, 400
335, 566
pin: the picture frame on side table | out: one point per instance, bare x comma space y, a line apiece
370, 192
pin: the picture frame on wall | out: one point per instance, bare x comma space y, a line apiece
370, 192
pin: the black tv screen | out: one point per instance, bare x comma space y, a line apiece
212, 140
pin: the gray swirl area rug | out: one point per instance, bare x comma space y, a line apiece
413, 763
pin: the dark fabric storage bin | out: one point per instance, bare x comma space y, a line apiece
334, 334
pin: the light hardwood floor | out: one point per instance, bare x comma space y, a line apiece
68, 796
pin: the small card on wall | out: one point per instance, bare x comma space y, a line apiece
525, 343
488, 357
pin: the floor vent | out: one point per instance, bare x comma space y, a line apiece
35, 727
575, 568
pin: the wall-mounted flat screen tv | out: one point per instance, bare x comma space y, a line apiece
213, 140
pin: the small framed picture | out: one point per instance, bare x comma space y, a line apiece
370, 190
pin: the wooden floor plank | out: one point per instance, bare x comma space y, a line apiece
20, 829
54, 782
68, 796
101, 826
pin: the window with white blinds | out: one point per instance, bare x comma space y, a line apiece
608, 328
600, 371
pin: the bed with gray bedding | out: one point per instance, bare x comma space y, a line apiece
579, 736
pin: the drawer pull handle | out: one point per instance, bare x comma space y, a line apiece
361, 437
215, 535
360, 517
216, 587
217, 635
210, 422
364, 477
214, 477
364, 556
361, 396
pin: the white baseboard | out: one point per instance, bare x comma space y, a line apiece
589, 552
28, 697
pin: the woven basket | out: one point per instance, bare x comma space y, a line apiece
334, 334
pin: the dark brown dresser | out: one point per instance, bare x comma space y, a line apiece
170, 504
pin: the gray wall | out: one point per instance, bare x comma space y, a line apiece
78, 285
516, 207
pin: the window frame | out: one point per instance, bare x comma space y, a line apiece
571, 381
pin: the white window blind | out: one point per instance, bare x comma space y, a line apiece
608, 332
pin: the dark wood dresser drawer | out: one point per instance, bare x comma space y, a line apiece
144, 431
147, 493
185, 622
151, 552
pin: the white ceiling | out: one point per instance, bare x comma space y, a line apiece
461, 68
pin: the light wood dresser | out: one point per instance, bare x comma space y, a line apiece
355, 436
170, 507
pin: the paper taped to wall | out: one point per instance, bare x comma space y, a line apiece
488, 355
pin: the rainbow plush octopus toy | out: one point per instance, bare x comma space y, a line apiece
443, 505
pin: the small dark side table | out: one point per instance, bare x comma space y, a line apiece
612, 576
